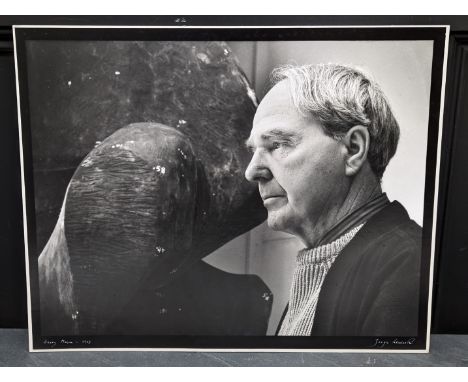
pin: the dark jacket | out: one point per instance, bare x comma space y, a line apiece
372, 289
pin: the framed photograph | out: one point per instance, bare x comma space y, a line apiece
230, 188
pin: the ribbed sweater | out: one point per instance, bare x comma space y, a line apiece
312, 266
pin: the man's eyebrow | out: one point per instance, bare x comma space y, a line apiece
279, 134
274, 134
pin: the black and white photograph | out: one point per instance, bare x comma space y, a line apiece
230, 188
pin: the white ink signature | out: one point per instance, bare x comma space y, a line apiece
381, 343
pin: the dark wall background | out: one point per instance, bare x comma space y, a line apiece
12, 264
450, 308
451, 288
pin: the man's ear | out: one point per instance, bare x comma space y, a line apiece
357, 141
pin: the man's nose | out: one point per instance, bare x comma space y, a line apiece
257, 169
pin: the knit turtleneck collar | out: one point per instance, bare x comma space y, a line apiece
312, 266
326, 252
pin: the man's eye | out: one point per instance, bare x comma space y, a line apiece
275, 145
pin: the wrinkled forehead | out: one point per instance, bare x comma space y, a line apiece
277, 102
277, 112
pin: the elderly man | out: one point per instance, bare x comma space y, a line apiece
321, 140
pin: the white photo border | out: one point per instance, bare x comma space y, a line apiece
216, 349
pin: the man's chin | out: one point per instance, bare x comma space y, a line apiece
276, 222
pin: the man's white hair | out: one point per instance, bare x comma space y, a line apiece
340, 97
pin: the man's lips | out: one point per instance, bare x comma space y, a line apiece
271, 200
266, 197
